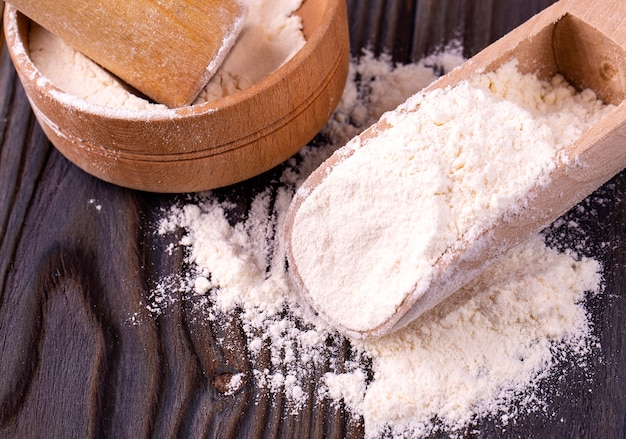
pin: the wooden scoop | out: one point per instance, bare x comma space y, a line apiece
166, 50
586, 43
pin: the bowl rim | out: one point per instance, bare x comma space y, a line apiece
21, 57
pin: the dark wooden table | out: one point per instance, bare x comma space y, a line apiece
70, 275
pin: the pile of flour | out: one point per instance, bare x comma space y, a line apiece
452, 163
271, 35
505, 332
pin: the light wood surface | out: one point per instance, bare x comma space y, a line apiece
166, 50
587, 45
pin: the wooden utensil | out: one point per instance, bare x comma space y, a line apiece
202, 146
586, 43
166, 50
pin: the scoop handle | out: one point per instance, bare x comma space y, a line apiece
586, 43
166, 50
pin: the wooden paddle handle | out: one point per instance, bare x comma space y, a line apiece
590, 44
590, 50
168, 50
584, 41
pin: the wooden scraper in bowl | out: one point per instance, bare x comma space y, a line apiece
166, 49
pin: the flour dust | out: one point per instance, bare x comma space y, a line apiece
484, 352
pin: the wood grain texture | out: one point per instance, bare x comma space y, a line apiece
71, 276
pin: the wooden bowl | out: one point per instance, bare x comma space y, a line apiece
198, 147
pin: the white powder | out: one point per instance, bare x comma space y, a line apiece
453, 162
98, 206
271, 35
74, 73
235, 383
498, 331
461, 360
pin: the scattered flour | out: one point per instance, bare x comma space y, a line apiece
484, 346
98, 206
271, 35
452, 162
483, 352
234, 384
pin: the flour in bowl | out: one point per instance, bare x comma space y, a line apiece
271, 35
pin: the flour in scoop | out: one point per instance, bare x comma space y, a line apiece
450, 164
271, 35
